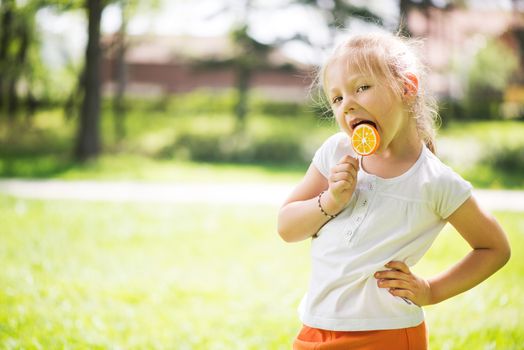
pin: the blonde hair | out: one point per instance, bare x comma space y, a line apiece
390, 59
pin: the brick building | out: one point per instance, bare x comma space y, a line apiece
160, 65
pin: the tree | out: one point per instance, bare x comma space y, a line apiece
127, 9
120, 72
252, 55
7, 9
338, 13
16, 40
88, 137
405, 6
21, 67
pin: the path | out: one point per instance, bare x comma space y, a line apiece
226, 193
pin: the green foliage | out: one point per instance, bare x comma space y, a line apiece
166, 135
281, 109
199, 102
506, 158
488, 77
493, 66
488, 153
239, 148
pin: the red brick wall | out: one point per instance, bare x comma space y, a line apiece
175, 78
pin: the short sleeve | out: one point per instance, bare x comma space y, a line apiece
452, 192
330, 152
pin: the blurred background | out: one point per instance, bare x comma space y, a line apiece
145, 147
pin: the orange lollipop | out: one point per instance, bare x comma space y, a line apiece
365, 139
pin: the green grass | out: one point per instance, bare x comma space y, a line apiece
138, 168
79, 275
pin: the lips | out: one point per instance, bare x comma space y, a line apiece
354, 123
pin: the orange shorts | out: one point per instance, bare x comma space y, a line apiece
414, 338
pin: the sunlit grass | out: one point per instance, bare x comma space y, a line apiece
132, 276
142, 276
126, 167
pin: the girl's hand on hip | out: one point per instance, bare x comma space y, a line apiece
402, 283
342, 182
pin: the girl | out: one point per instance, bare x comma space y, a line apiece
373, 218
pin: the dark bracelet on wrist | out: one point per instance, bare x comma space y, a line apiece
322, 209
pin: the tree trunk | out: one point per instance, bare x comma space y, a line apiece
88, 138
121, 78
243, 79
19, 71
6, 9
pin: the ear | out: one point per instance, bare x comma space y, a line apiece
411, 84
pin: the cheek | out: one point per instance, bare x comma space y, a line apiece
342, 122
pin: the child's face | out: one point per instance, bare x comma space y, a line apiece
356, 97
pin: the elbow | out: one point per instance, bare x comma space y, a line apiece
505, 251
290, 228
505, 254
284, 234
282, 229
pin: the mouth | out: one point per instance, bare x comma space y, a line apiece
358, 122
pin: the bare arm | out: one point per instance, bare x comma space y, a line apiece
490, 251
300, 217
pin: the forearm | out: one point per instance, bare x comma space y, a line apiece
300, 220
474, 268
316, 200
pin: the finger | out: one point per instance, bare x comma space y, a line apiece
342, 177
344, 167
403, 293
392, 274
345, 174
394, 284
341, 186
398, 265
349, 160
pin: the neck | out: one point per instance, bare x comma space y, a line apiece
406, 145
397, 158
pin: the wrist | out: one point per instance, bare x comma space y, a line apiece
329, 205
432, 298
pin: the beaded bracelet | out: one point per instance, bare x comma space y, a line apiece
322, 209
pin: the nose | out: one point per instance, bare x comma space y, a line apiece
349, 110
349, 105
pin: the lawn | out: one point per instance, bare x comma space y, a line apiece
79, 275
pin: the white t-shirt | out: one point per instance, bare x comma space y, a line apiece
386, 219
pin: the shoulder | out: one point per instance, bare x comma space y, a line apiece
437, 171
331, 151
338, 142
447, 189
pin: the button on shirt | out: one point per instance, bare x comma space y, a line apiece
385, 220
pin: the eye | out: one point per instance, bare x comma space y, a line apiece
336, 99
363, 88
